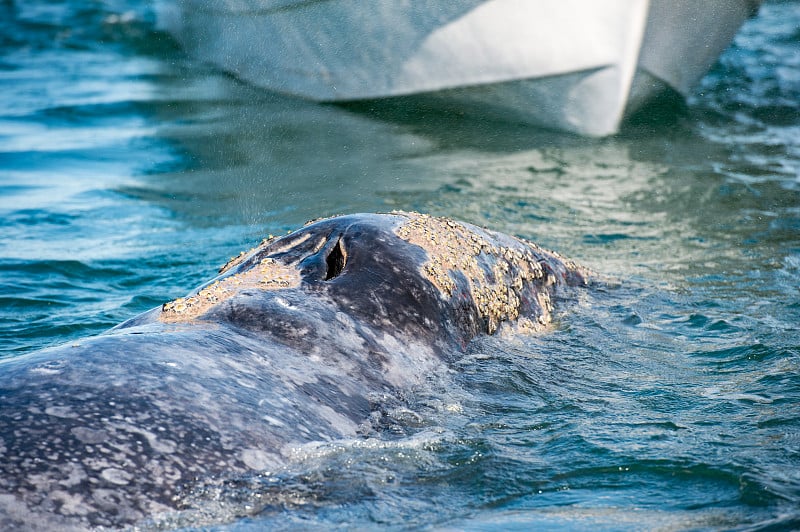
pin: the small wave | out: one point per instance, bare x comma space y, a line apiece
738, 356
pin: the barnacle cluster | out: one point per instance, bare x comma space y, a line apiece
238, 259
496, 274
269, 274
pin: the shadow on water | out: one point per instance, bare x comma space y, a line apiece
457, 127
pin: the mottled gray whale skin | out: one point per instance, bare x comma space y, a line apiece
290, 344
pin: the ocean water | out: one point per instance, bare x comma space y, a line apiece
667, 397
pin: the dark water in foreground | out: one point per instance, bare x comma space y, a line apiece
669, 399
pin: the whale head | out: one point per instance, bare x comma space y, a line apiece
414, 274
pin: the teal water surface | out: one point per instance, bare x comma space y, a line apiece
668, 397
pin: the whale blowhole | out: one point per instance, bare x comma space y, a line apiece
336, 260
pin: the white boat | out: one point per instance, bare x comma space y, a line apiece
575, 65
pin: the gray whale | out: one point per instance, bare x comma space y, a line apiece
287, 345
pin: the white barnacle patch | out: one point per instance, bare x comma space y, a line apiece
237, 260
496, 274
269, 274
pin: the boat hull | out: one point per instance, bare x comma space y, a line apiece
572, 69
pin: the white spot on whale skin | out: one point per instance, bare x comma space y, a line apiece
87, 435
282, 302
52, 367
157, 444
116, 476
258, 459
17, 515
273, 421
60, 411
75, 475
163, 472
71, 504
337, 420
453, 408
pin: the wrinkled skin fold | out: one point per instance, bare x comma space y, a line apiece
287, 346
